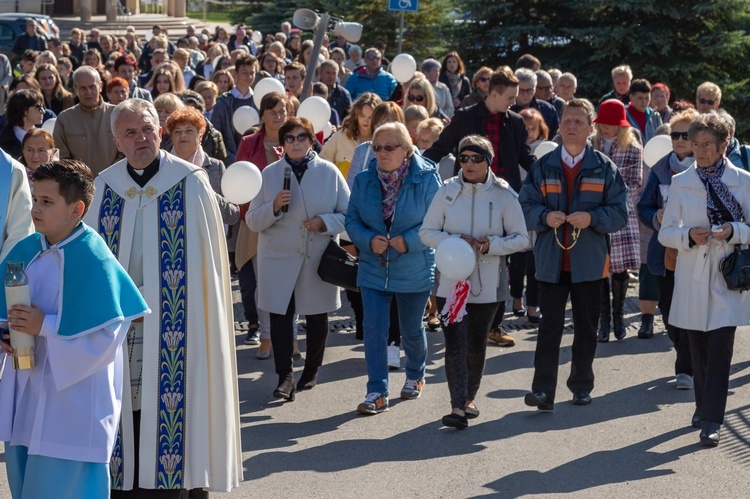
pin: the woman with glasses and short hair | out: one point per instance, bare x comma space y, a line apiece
484, 211
480, 85
388, 203
662, 261
295, 226
24, 110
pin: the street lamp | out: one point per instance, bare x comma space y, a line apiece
309, 19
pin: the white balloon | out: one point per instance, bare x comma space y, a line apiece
149, 35
257, 36
327, 130
241, 182
317, 110
656, 148
49, 125
244, 118
545, 147
403, 67
266, 86
455, 259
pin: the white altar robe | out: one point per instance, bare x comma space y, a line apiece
18, 223
210, 454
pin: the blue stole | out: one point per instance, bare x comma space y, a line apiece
172, 315
96, 290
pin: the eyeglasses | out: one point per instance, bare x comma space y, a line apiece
289, 139
474, 158
710, 102
373, 57
544, 89
387, 148
679, 135
526, 90
485, 79
415, 98
40, 107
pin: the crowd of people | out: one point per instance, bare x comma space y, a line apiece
142, 136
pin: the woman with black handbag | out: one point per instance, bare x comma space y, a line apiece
301, 205
705, 220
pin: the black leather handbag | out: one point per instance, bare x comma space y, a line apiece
338, 267
735, 268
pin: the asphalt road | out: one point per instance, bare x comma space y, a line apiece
634, 440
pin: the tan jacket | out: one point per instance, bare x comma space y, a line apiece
86, 134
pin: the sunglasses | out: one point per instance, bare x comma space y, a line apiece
289, 139
679, 135
40, 107
415, 98
485, 79
373, 57
710, 102
474, 158
387, 148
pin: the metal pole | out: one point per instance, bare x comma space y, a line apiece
400, 31
205, 11
320, 32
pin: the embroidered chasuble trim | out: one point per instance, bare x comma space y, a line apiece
110, 216
173, 325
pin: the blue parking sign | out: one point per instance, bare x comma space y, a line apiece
404, 5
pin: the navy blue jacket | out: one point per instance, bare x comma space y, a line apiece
549, 113
651, 201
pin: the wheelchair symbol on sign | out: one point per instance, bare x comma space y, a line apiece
404, 4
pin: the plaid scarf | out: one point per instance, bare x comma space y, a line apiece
722, 205
390, 184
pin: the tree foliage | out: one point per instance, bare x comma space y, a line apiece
424, 31
679, 42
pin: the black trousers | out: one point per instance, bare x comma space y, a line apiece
465, 351
712, 360
585, 298
282, 339
522, 265
683, 363
139, 493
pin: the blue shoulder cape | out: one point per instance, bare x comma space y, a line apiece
95, 290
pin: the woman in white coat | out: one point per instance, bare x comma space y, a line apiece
294, 227
484, 211
704, 220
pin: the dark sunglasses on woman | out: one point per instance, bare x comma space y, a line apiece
289, 139
387, 148
474, 158
415, 98
679, 135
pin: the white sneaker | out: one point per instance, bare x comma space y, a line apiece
684, 382
394, 356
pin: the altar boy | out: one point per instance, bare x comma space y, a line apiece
59, 419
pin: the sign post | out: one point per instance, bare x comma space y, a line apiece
403, 6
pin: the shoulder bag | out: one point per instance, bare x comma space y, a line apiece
338, 267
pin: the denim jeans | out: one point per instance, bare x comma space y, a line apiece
377, 320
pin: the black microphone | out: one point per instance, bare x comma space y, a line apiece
287, 185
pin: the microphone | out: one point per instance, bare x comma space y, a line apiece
287, 185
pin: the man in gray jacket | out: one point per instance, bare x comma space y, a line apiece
574, 197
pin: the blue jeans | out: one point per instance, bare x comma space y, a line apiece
411, 306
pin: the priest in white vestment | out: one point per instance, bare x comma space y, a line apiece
15, 204
159, 216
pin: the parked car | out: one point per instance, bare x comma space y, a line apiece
13, 24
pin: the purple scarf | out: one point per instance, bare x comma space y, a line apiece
390, 184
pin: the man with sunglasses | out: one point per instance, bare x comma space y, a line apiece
574, 197
707, 97
371, 78
505, 129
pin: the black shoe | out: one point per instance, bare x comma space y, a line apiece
308, 380
540, 400
602, 335
696, 421
646, 330
519, 312
252, 337
534, 319
285, 390
581, 397
471, 412
456, 421
710, 433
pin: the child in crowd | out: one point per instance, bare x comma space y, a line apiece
59, 419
